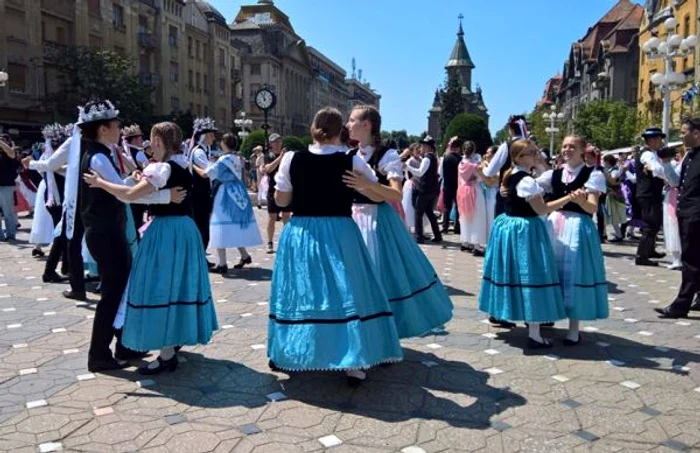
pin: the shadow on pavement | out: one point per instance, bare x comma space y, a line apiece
423, 386
252, 274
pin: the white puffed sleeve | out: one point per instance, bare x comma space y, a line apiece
528, 188
545, 181
359, 165
596, 183
391, 165
157, 174
283, 178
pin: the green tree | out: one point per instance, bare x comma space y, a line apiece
306, 140
255, 138
452, 103
293, 143
468, 126
183, 119
607, 124
85, 74
502, 136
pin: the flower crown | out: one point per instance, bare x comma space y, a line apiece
101, 111
204, 125
53, 132
132, 131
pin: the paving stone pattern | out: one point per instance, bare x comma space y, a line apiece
632, 385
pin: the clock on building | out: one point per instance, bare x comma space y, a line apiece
265, 99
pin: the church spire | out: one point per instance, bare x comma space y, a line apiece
460, 55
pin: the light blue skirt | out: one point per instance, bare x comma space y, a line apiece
520, 281
581, 266
327, 308
417, 297
169, 297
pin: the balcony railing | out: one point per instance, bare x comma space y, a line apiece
149, 78
148, 40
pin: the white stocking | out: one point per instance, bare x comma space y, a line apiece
534, 331
573, 334
221, 254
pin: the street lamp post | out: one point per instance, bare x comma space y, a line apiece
553, 117
243, 123
3, 78
673, 47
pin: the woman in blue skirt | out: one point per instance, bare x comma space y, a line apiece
169, 302
418, 299
327, 308
520, 281
575, 238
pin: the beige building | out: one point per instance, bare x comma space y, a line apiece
184, 49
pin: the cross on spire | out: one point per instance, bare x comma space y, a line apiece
461, 31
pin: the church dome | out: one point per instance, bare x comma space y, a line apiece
460, 54
210, 12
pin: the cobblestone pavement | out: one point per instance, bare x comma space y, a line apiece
633, 385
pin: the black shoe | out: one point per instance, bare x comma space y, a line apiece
547, 324
53, 278
355, 382
272, 366
163, 365
219, 270
568, 342
615, 240
420, 241
210, 265
270, 248
436, 240
501, 323
36, 253
444, 230
463, 248
111, 364
534, 344
75, 296
645, 262
478, 252
65, 271
123, 354
243, 262
90, 278
667, 313
696, 305
657, 255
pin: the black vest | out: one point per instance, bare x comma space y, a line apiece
507, 164
649, 187
201, 187
516, 206
318, 187
179, 177
374, 165
271, 183
101, 212
689, 189
561, 189
429, 184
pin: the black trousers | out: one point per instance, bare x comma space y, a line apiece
59, 246
600, 218
449, 199
72, 249
424, 204
202, 206
652, 215
113, 257
689, 229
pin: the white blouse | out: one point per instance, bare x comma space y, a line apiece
389, 165
595, 184
527, 188
158, 173
283, 177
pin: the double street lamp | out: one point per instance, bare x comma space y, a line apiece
668, 50
553, 117
243, 123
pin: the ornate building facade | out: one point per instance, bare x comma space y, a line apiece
460, 65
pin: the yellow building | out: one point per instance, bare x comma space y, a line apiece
650, 100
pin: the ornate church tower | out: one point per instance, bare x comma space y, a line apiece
460, 63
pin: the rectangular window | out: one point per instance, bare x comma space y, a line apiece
233, 62
61, 35
17, 78
189, 47
145, 62
119, 50
190, 81
198, 79
686, 25
199, 110
94, 7
174, 72
143, 24
175, 104
199, 50
206, 110
206, 83
191, 108
255, 69
222, 86
117, 15
204, 51
222, 58
172, 36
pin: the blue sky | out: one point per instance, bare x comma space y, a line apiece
402, 46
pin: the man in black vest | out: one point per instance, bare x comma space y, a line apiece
426, 190
650, 187
134, 144
688, 213
450, 169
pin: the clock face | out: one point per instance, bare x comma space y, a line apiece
264, 99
